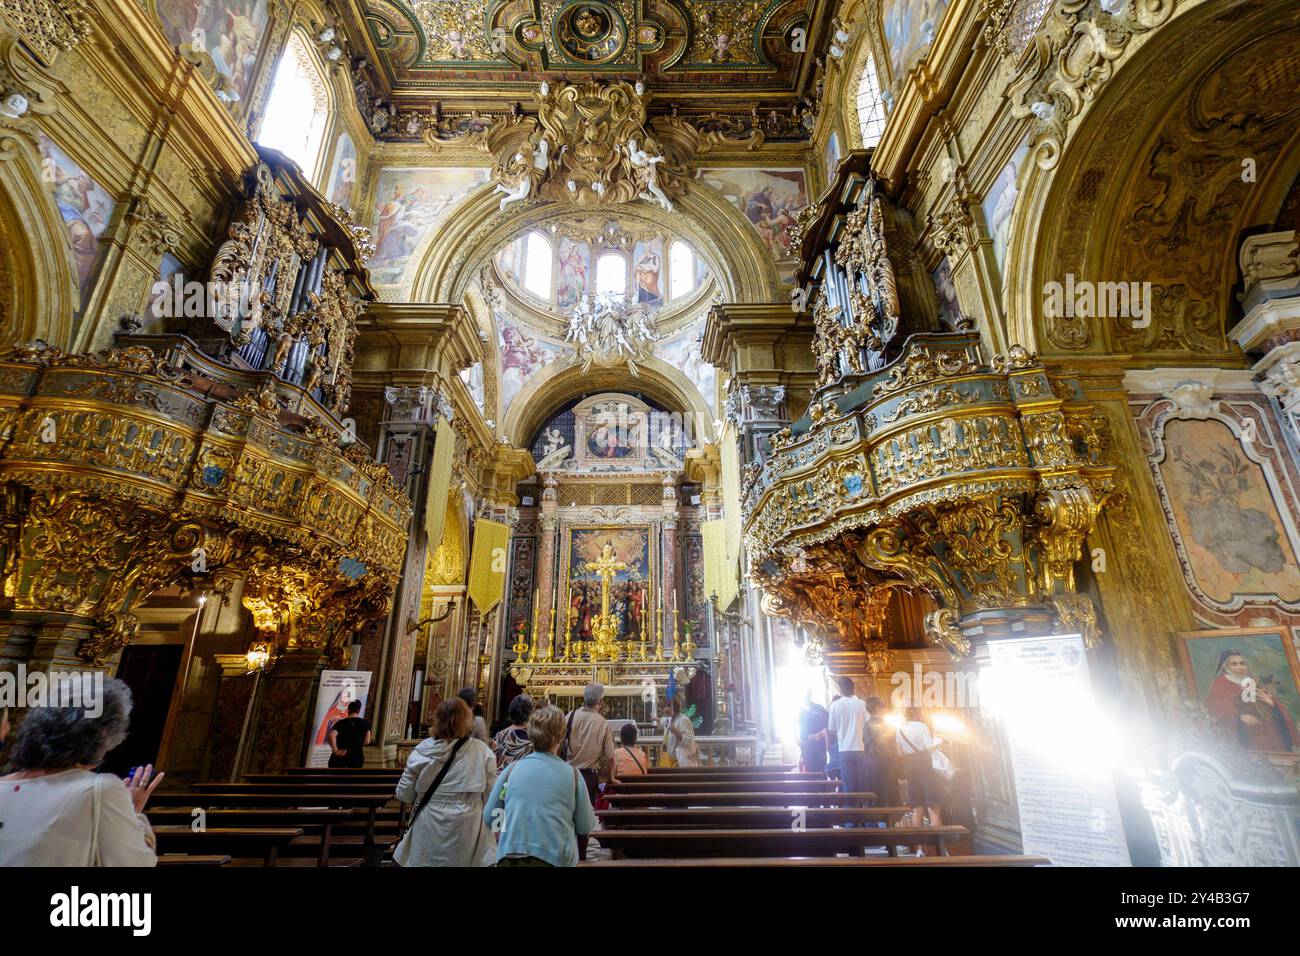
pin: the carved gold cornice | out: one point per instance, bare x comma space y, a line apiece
124, 472
400, 340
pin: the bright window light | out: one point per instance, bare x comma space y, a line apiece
611, 274
871, 108
296, 111
537, 265
681, 269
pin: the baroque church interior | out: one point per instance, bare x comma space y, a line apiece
747, 358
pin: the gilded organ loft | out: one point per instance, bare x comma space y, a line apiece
707, 350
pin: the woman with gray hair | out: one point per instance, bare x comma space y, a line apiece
54, 809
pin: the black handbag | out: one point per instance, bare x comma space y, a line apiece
564, 747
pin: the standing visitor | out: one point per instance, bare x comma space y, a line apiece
348, 737
470, 697
539, 806
882, 759
812, 736
448, 777
833, 768
847, 721
54, 809
916, 747
681, 738
512, 742
589, 746
629, 759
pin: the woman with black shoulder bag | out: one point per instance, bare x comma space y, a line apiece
448, 777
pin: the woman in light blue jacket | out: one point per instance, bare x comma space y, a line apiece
539, 806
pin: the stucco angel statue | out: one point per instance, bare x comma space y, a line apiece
648, 166
530, 168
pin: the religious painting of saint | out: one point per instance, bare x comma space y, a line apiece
575, 265
613, 431
84, 206
949, 310
409, 203
769, 198
626, 553
910, 26
1249, 681
685, 351
647, 267
832, 155
229, 30
343, 180
1227, 520
523, 355
1000, 202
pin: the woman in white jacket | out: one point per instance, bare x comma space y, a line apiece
54, 809
449, 829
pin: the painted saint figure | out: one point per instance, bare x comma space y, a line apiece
1248, 707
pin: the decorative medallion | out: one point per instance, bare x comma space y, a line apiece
590, 32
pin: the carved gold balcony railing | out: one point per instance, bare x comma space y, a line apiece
976, 484
930, 470
123, 473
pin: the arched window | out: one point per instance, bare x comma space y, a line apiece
537, 265
681, 269
297, 109
871, 107
611, 274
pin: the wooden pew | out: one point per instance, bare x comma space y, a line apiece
347, 771
924, 862
726, 786
821, 798
318, 824
241, 842
731, 778
368, 803
677, 771
695, 844
742, 818
194, 859
306, 789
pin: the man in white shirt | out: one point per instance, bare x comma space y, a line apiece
848, 723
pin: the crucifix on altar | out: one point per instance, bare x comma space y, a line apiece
605, 627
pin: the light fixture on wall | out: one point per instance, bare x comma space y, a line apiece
257, 657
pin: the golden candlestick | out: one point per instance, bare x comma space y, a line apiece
659, 631
537, 611
677, 654
520, 646
568, 638
550, 644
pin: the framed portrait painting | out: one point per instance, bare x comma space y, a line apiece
1249, 681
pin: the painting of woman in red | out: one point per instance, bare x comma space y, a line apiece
1249, 707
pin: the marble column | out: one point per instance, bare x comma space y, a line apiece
406, 444
668, 579
549, 603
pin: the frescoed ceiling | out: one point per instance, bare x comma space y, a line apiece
722, 55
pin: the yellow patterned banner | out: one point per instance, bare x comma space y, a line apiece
731, 511
487, 567
435, 511
719, 571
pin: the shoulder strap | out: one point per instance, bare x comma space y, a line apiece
910, 743
639, 765
568, 733
97, 801
455, 748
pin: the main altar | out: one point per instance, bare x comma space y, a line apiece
606, 580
